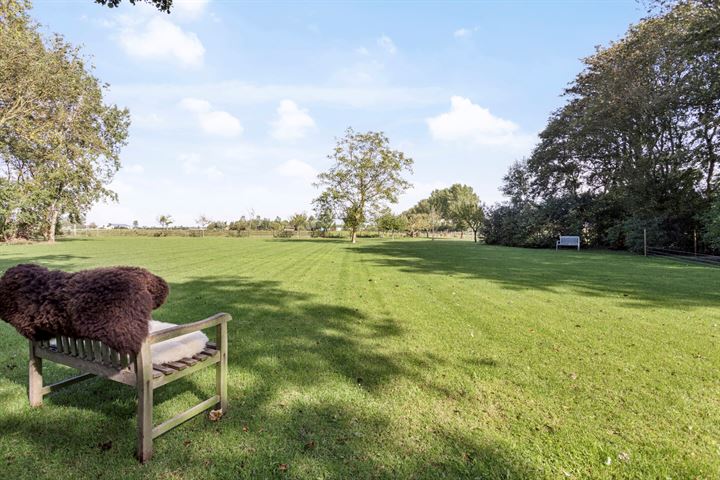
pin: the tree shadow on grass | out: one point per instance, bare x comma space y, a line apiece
306, 387
61, 261
636, 281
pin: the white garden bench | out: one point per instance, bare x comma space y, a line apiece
568, 241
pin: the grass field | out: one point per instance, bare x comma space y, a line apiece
398, 359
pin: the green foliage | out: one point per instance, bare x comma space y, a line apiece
636, 143
366, 175
298, 221
711, 232
59, 141
387, 221
165, 221
162, 5
324, 213
457, 207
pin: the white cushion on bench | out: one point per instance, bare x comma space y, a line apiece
176, 348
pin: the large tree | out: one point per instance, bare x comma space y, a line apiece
636, 145
59, 141
367, 175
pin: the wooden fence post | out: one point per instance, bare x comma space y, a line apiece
645, 241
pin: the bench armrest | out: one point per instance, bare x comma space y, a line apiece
176, 331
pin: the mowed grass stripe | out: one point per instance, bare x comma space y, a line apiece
401, 359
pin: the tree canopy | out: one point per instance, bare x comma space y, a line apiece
59, 141
636, 145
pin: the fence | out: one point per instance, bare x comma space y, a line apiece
683, 256
679, 254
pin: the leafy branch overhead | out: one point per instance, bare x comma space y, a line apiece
162, 5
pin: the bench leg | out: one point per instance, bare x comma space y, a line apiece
221, 368
35, 378
143, 369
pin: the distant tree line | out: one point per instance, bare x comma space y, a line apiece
456, 208
635, 147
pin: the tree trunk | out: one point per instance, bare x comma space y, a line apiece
354, 236
53, 221
475, 235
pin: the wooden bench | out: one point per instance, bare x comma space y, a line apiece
568, 241
93, 358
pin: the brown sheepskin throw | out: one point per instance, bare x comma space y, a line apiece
112, 305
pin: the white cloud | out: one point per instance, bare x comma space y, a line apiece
160, 39
467, 121
134, 168
465, 32
212, 122
192, 164
292, 122
297, 169
387, 44
189, 9
362, 51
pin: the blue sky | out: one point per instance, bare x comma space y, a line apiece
235, 105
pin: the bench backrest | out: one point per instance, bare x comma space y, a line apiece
569, 240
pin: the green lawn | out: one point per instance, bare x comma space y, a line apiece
398, 359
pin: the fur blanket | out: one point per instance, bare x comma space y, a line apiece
112, 305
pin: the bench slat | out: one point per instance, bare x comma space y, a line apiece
163, 369
176, 365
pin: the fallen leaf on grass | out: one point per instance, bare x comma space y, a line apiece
624, 457
283, 467
215, 415
104, 447
310, 445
